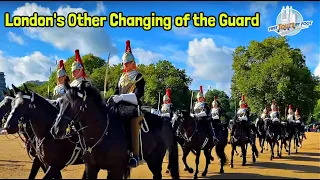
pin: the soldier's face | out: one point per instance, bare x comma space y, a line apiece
201, 99
76, 73
61, 79
128, 66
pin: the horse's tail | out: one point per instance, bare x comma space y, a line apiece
127, 173
174, 159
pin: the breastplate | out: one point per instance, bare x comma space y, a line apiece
127, 83
165, 108
59, 91
199, 107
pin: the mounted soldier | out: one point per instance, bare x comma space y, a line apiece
202, 112
215, 110
265, 113
298, 122
60, 90
167, 106
78, 71
274, 111
243, 114
130, 88
290, 124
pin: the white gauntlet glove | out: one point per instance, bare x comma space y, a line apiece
117, 98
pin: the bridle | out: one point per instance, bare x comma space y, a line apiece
76, 120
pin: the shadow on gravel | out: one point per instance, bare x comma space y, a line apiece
301, 158
316, 154
13, 161
242, 176
293, 167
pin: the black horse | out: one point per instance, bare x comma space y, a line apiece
196, 137
289, 134
240, 138
103, 133
262, 133
5, 108
55, 154
274, 136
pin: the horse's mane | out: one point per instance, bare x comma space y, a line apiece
93, 93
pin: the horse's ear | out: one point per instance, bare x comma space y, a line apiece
4, 92
15, 89
25, 88
66, 82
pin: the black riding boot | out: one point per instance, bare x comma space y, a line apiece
231, 134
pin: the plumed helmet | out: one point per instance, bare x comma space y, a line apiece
127, 56
297, 112
290, 111
167, 96
61, 70
77, 64
200, 93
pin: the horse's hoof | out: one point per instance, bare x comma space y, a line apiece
237, 154
185, 169
231, 165
243, 164
261, 151
167, 171
253, 160
211, 158
280, 156
190, 170
204, 174
195, 177
221, 171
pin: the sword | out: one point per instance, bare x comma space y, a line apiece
191, 102
106, 78
49, 83
159, 101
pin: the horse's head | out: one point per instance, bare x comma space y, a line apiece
75, 105
20, 106
5, 104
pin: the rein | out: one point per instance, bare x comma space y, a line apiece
76, 120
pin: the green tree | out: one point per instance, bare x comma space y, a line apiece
271, 69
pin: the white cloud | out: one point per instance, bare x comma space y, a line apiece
263, 7
147, 57
209, 62
87, 40
114, 60
30, 67
309, 10
192, 33
15, 38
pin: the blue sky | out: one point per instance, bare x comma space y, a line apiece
205, 53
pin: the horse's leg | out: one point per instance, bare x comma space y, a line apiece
272, 152
289, 146
222, 155
115, 174
232, 154
186, 152
92, 171
207, 155
154, 161
253, 153
244, 154
278, 151
36, 164
197, 164
53, 172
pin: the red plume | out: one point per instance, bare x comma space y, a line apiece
168, 92
215, 98
290, 106
61, 64
78, 59
128, 47
201, 90
242, 98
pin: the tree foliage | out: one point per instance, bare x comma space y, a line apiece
271, 69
